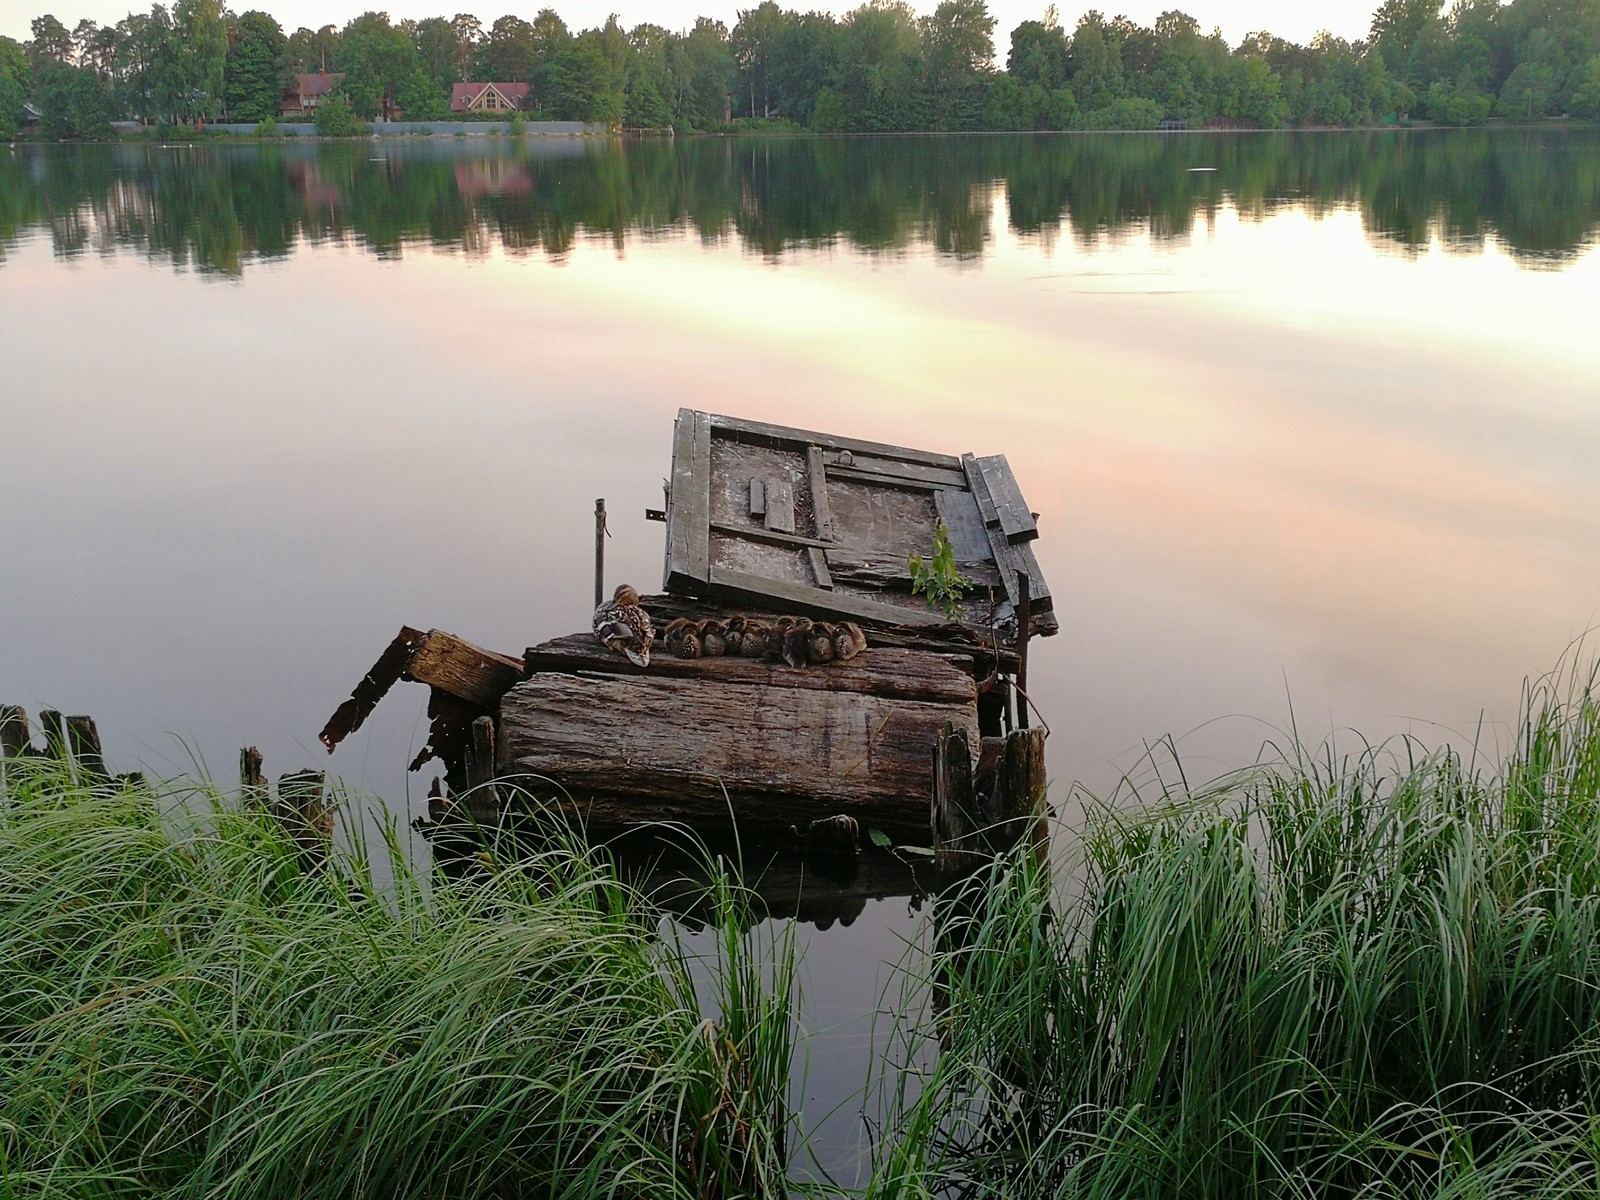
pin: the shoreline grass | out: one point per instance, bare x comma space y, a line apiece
1364, 975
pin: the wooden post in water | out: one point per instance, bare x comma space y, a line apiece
83, 740
15, 738
253, 788
955, 818
483, 798
303, 811
1016, 809
599, 552
1024, 629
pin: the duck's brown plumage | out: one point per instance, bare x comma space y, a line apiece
713, 637
682, 638
623, 626
848, 640
819, 643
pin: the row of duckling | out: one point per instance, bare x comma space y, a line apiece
797, 641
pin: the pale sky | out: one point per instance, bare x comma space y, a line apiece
1286, 18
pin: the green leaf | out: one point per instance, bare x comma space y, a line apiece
919, 851
879, 838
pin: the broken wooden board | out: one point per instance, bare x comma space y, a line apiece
822, 525
441, 660
725, 742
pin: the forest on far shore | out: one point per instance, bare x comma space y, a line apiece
880, 68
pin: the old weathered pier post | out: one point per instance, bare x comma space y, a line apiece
599, 552
979, 814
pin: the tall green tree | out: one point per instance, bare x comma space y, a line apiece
201, 38
583, 83
509, 54
76, 102
255, 67
14, 76
51, 39
754, 41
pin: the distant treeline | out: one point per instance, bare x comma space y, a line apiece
880, 68
220, 208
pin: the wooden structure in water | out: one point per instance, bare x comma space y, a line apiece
764, 521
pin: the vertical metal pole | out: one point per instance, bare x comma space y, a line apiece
1024, 630
599, 552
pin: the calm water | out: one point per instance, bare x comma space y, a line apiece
1312, 421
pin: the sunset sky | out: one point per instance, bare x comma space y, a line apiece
1299, 22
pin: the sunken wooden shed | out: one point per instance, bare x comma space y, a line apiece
762, 521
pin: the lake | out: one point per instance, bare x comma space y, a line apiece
1311, 420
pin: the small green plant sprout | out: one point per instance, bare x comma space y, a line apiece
937, 579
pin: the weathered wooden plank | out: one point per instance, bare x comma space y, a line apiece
759, 534
959, 512
483, 798
1038, 589
780, 506
653, 748
689, 511
374, 685
1006, 494
1000, 548
738, 587
758, 498
1016, 809
782, 436
895, 673
821, 510
884, 479
819, 568
869, 466
467, 672
15, 738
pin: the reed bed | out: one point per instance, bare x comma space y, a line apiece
188, 1012
1373, 975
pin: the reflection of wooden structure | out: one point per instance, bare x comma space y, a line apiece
813, 523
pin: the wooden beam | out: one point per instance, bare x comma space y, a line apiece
905, 472
1000, 548
483, 799
822, 512
303, 811
465, 671
707, 752
898, 674
954, 817
253, 789
884, 479
762, 434
780, 506
740, 586
689, 508
84, 741
758, 498
1011, 509
959, 511
374, 685
819, 568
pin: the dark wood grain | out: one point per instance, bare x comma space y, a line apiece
1006, 495
780, 506
822, 512
761, 433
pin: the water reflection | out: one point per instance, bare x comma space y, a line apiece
220, 208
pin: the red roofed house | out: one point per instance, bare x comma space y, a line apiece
306, 92
488, 97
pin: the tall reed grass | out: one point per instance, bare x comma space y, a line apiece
187, 1012
1375, 975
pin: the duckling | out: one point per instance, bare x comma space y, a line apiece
848, 640
713, 638
753, 640
819, 643
621, 625
795, 639
776, 633
682, 637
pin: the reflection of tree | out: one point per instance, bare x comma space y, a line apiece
221, 207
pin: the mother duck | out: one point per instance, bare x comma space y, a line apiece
623, 626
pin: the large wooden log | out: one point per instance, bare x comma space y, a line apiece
711, 747
897, 674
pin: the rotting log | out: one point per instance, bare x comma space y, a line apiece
735, 742
1015, 810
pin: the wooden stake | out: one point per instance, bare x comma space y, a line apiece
955, 818
483, 799
15, 738
84, 740
599, 552
303, 811
252, 783
1024, 628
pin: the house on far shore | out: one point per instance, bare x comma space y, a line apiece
488, 97
306, 92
